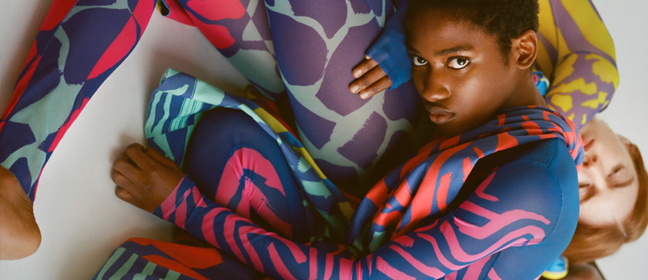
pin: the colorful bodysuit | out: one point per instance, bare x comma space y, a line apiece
271, 210
63, 70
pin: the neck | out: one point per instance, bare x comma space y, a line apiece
525, 93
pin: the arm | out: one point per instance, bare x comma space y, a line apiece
496, 218
577, 54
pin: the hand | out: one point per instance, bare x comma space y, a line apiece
370, 79
144, 177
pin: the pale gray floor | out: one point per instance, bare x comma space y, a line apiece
81, 219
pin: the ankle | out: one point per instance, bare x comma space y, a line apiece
20, 236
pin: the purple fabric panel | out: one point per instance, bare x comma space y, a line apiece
363, 149
313, 9
334, 92
307, 57
316, 129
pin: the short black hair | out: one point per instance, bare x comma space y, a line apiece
506, 19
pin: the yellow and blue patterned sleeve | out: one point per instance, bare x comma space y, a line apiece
576, 52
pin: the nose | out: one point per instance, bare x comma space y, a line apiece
436, 87
590, 160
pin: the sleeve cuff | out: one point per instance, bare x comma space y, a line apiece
390, 52
178, 198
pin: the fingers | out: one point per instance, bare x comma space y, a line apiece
364, 67
125, 168
370, 79
379, 86
124, 195
155, 155
136, 152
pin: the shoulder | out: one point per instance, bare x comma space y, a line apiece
539, 177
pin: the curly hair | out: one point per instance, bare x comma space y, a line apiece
506, 19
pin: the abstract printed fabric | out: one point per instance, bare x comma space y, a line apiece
393, 216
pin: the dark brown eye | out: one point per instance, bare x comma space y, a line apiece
419, 61
458, 62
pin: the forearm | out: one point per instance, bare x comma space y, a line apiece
584, 75
421, 253
264, 251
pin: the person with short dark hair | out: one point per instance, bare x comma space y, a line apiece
493, 196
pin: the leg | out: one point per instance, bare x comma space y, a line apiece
237, 164
79, 44
239, 30
316, 46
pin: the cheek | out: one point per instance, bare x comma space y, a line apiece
588, 215
418, 76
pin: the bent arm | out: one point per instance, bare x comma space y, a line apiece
576, 52
491, 220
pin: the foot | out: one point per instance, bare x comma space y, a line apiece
19, 234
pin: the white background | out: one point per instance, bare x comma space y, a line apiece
82, 221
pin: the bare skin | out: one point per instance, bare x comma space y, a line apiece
20, 236
462, 75
144, 177
370, 79
608, 185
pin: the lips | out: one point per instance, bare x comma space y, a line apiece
439, 115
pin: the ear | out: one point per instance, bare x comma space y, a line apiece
525, 49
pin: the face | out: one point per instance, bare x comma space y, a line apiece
459, 72
608, 184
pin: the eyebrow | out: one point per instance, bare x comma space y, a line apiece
454, 50
444, 52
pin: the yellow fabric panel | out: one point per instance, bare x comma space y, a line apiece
604, 69
304, 153
594, 103
548, 30
547, 23
562, 101
277, 126
563, 48
576, 85
564, 69
543, 61
590, 25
